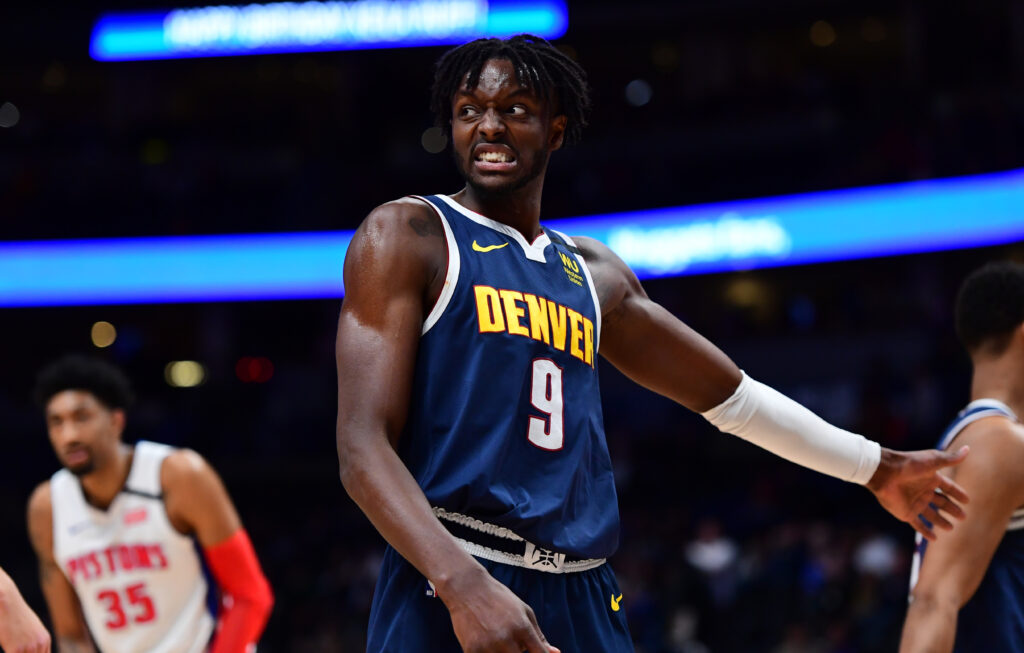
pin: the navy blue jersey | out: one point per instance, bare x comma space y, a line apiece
993, 619
505, 418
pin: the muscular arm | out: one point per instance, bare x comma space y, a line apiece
658, 351
954, 566
198, 504
65, 611
393, 271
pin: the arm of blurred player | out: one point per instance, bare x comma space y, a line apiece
394, 268
21, 631
952, 568
658, 351
198, 504
65, 611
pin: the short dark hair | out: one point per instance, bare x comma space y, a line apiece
76, 372
989, 306
539, 65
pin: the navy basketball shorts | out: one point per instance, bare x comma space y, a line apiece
578, 612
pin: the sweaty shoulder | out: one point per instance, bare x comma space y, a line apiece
195, 498
613, 279
997, 445
398, 243
181, 468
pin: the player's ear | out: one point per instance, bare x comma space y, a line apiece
556, 134
118, 418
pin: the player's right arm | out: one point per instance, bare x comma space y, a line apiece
955, 564
20, 628
394, 269
65, 611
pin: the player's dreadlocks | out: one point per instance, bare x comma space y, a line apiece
538, 65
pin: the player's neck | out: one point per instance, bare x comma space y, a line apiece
1002, 379
103, 484
519, 209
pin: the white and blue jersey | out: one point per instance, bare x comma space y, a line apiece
505, 422
993, 619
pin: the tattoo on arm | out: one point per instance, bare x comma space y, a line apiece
425, 227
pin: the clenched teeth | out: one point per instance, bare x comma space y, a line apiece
494, 157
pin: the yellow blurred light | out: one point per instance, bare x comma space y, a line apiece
823, 34
184, 374
103, 334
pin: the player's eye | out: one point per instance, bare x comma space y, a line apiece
517, 110
467, 111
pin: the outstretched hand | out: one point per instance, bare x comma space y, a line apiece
489, 618
908, 484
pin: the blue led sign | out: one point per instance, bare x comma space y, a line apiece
845, 224
217, 31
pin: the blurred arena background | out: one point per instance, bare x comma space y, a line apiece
724, 547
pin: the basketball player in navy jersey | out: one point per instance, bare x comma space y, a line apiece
967, 590
120, 528
469, 419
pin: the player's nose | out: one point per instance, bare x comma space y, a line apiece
491, 124
66, 432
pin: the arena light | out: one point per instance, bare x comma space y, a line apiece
266, 28
836, 225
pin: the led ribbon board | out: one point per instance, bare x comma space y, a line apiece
220, 31
836, 225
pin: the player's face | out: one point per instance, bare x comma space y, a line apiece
84, 433
502, 132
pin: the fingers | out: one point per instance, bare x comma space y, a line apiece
950, 458
946, 504
922, 527
535, 640
931, 514
952, 490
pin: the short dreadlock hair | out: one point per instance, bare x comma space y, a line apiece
989, 306
539, 66
75, 372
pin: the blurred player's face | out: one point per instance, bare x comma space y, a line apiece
84, 433
502, 132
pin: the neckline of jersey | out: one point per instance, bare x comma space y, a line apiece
109, 510
991, 403
533, 251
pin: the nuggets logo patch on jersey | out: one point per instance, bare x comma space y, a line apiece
572, 268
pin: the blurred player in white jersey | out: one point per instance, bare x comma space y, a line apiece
122, 532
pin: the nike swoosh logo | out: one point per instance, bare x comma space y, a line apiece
615, 603
478, 248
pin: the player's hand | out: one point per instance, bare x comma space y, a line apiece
489, 618
20, 628
908, 484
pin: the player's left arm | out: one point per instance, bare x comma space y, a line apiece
953, 567
658, 351
198, 504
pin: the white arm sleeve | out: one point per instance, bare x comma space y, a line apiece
773, 421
